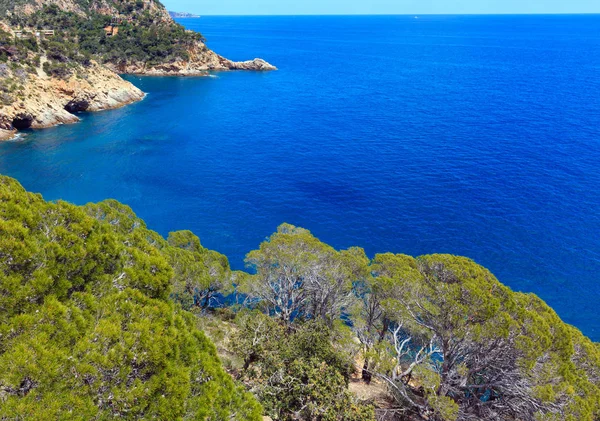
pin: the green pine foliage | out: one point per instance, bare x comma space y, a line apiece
100, 319
447, 338
146, 38
302, 373
87, 330
477, 349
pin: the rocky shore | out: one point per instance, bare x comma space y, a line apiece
202, 61
47, 101
46, 81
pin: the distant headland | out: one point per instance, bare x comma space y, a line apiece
179, 15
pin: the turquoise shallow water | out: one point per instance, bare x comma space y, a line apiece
470, 135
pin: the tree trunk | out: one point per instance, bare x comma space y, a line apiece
249, 360
366, 374
206, 303
384, 329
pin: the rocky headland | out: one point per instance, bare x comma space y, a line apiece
45, 101
47, 76
201, 62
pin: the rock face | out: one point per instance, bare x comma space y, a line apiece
44, 101
48, 101
256, 64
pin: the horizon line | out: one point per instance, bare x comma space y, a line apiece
396, 14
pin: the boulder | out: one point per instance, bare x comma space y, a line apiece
257, 64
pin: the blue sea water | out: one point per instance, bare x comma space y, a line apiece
471, 135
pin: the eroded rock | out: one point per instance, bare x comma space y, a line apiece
257, 64
77, 105
49, 101
201, 61
22, 121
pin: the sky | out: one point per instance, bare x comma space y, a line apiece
327, 7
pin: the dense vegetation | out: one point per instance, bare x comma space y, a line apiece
18, 58
102, 318
447, 338
83, 7
143, 37
86, 327
301, 373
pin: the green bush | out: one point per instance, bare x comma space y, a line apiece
297, 374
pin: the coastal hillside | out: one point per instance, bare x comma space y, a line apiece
102, 318
85, 8
72, 52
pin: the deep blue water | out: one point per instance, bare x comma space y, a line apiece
470, 135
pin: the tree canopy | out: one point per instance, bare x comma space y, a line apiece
87, 330
102, 318
477, 350
296, 275
449, 340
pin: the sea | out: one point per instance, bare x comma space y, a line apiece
471, 135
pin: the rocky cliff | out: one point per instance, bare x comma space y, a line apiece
47, 78
44, 101
201, 61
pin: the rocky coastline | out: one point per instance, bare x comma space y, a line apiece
202, 64
43, 83
48, 102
